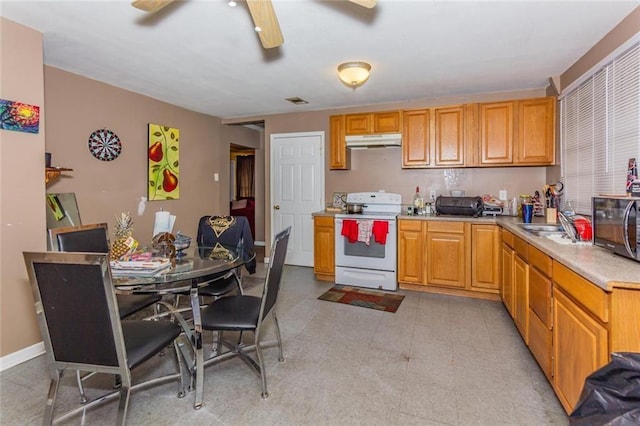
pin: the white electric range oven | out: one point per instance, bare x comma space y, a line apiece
367, 257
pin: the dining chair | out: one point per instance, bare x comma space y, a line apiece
81, 328
245, 313
94, 238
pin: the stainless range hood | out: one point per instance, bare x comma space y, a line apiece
374, 141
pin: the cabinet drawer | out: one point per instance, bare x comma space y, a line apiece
455, 227
582, 291
540, 296
540, 343
540, 261
323, 220
507, 238
522, 248
410, 225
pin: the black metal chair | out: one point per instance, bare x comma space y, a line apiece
82, 331
245, 313
94, 238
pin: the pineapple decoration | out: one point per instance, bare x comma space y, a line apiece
124, 242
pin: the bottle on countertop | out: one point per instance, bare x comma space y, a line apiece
418, 201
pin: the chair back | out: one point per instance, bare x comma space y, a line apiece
229, 231
274, 272
92, 238
77, 310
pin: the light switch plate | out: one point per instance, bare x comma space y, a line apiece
503, 195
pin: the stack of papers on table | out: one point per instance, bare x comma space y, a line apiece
147, 268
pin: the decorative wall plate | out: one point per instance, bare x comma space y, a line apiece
105, 145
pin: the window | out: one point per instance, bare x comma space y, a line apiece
600, 130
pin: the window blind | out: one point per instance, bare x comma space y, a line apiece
600, 130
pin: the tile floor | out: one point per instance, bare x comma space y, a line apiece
438, 360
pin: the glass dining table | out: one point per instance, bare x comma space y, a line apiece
196, 268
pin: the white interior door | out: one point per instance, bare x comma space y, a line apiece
297, 190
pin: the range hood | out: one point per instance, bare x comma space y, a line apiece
374, 141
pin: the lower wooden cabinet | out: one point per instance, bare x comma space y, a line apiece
540, 323
411, 252
485, 257
521, 296
507, 289
579, 348
324, 248
447, 264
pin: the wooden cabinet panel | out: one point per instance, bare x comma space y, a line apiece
387, 122
358, 124
453, 227
324, 247
540, 343
507, 288
415, 138
446, 261
411, 251
449, 132
536, 131
485, 257
579, 348
508, 238
339, 156
521, 296
521, 247
373, 123
540, 296
594, 299
496, 132
540, 261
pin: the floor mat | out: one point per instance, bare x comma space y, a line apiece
382, 301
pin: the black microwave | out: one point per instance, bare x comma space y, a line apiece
616, 225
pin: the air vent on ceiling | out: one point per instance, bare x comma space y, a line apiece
297, 101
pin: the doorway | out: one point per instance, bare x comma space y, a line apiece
297, 190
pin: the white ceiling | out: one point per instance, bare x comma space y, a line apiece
205, 56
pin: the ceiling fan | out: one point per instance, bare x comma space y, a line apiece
262, 12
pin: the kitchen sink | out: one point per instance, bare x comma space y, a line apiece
542, 229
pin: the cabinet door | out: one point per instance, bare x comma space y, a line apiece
485, 263
540, 343
358, 124
579, 348
324, 246
521, 296
338, 154
496, 133
415, 138
387, 122
536, 131
411, 243
446, 262
507, 290
449, 136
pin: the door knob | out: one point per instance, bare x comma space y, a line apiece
276, 207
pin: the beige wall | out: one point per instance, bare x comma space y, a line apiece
77, 106
22, 216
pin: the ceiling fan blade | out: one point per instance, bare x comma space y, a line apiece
150, 5
265, 18
369, 4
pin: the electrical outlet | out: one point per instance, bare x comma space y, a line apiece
503, 195
432, 195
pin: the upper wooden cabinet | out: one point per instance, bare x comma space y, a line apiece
416, 133
373, 123
496, 133
536, 131
449, 131
339, 156
520, 133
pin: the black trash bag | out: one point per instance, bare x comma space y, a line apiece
611, 394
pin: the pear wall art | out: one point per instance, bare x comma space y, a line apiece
164, 167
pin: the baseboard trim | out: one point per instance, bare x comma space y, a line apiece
21, 356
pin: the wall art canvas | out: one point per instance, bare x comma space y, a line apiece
19, 117
163, 163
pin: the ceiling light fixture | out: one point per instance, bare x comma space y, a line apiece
232, 3
354, 74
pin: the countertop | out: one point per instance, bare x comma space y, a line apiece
596, 264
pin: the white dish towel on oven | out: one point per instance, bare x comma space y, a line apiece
364, 230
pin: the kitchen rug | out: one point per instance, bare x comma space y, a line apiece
382, 301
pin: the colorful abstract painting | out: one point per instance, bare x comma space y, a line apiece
164, 170
19, 117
